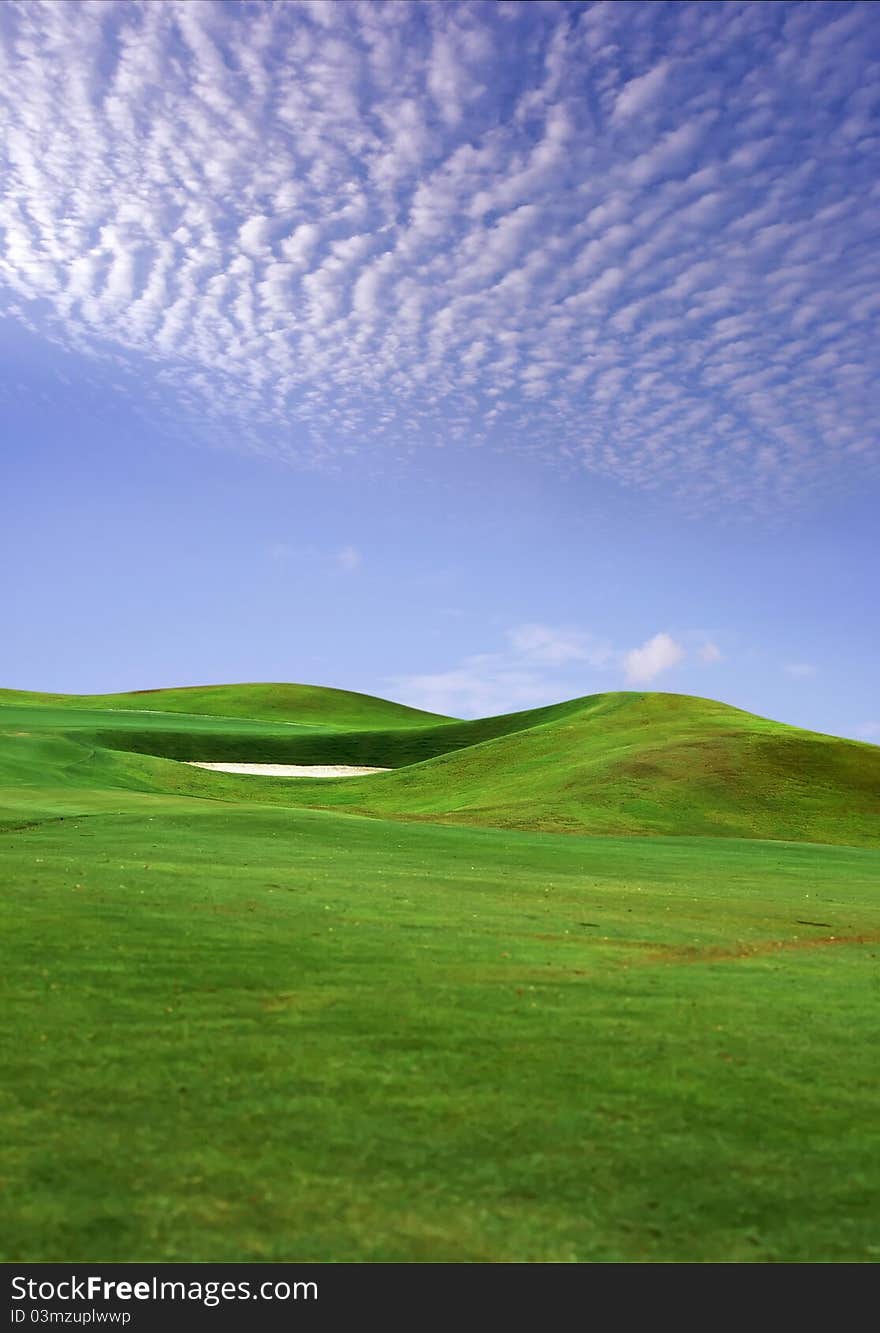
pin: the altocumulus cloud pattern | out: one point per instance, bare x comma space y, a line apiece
640, 237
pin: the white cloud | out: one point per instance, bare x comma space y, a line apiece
323, 560
281, 552
659, 654
482, 686
870, 731
546, 646
298, 246
253, 235
540, 664
710, 652
800, 670
348, 559
640, 92
339, 227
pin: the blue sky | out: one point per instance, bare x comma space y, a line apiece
477, 355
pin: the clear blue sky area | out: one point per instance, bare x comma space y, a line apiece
474, 355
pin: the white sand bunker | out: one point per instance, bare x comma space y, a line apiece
290, 770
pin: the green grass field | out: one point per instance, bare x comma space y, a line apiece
596, 982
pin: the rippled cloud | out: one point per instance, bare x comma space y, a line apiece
636, 238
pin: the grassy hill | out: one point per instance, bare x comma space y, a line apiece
234, 1028
620, 763
234, 1032
256, 723
640, 763
307, 705
297, 739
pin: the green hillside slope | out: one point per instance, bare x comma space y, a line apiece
184, 736
237, 1029
314, 705
369, 732
641, 763
620, 763
235, 1035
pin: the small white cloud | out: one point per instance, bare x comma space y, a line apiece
639, 93
482, 686
656, 655
800, 670
348, 559
710, 652
541, 664
253, 236
298, 247
544, 645
870, 731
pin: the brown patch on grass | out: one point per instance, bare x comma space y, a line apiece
757, 949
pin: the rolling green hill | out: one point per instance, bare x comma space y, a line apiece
297, 739
233, 1028
621, 763
256, 723
641, 763
307, 705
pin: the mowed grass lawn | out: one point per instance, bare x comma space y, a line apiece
240, 1032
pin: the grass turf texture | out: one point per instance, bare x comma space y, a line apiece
238, 1029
